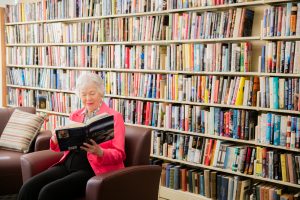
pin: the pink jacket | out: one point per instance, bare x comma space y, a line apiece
113, 150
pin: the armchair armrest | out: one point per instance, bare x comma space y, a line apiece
134, 183
36, 162
42, 141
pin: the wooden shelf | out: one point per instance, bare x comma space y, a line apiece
229, 172
277, 1
45, 111
171, 194
39, 88
53, 112
275, 38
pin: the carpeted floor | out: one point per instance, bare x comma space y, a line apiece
9, 197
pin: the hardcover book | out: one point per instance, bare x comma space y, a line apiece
99, 128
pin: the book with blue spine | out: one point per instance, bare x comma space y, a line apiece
268, 128
202, 184
263, 52
216, 121
168, 174
235, 124
177, 177
298, 133
277, 130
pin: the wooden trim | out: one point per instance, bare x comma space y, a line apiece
2, 59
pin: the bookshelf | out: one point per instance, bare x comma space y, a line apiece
36, 53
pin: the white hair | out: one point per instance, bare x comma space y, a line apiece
87, 79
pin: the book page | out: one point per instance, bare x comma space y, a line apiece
96, 118
72, 124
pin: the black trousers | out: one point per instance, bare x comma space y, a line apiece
55, 183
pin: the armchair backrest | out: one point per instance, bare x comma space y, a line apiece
5, 114
137, 146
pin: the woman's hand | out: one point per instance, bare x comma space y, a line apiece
92, 148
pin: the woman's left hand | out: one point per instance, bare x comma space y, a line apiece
92, 148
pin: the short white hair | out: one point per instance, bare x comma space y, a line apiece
89, 78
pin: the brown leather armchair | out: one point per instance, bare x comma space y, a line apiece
10, 166
138, 180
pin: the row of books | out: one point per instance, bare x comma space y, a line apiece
204, 89
211, 89
144, 28
181, 4
220, 57
234, 57
278, 130
265, 191
277, 165
53, 121
232, 123
258, 161
280, 57
52, 101
281, 20
204, 182
32, 33
72, 56
216, 185
273, 129
268, 92
43, 78
205, 151
279, 93
47, 9
232, 23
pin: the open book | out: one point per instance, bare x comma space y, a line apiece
99, 128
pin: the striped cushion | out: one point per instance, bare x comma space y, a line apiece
20, 131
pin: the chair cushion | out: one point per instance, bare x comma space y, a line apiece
10, 171
20, 131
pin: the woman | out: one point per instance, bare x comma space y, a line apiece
67, 179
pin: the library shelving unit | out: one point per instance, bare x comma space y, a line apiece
165, 57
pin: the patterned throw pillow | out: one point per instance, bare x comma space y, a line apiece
20, 131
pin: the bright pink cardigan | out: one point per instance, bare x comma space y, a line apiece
114, 153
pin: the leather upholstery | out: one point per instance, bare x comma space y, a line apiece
137, 146
10, 165
135, 182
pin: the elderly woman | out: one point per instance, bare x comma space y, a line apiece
67, 179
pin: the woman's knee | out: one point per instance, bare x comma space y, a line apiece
48, 192
29, 190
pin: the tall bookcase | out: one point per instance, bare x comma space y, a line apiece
154, 71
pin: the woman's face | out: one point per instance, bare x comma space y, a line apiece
90, 97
